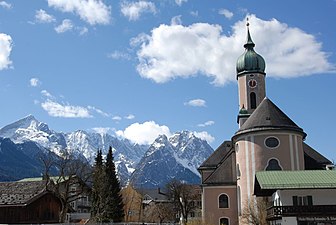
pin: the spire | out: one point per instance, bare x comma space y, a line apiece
249, 43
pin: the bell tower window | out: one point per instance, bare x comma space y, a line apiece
253, 100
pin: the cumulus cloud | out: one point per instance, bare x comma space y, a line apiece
144, 133
204, 136
56, 109
42, 16
228, 14
133, 10
34, 82
91, 11
5, 5
179, 2
207, 123
196, 103
173, 51
65, 26
6, 44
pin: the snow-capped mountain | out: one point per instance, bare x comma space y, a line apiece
175, 158
167, 158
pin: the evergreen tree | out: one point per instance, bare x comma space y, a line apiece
98, 203
114, 206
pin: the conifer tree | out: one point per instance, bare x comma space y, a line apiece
114, 207
98, 202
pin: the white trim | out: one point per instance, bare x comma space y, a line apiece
224, 218
247, 171
228, 197
291, 151
253, 158
297, 153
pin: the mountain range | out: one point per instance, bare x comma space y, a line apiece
146, 166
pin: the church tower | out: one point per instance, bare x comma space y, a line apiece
251, 80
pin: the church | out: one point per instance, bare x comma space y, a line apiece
266, 140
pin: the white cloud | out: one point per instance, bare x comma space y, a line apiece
133, 10
228, 14
91, 11
196, 103
179, 2
119, 55
144, 133
83, 30
207, 123
46, 94
102, 130
130, 117
101, 112
5, 5
6, 44
65, 26
117, 118
34, 82
194, 13
204, 136
56, 109
176, 20
42, 16
173, 51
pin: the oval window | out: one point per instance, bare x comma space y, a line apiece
272, 142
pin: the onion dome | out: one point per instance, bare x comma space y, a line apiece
250, 61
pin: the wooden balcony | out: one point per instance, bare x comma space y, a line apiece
275, 212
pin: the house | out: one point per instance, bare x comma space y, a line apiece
74, 192
28, 202
266, 139
298, 197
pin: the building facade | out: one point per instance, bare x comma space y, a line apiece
267, 139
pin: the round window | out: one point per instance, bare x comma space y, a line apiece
272, 142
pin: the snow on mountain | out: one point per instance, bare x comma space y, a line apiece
175, 158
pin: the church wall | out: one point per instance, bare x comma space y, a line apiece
253, 155
211, 211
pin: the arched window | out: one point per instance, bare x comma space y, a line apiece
223, 201
253, 100
224, 221
273, 164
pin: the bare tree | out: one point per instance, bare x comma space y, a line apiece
255, 212
70, 182
184, 197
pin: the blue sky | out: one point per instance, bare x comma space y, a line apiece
139, 68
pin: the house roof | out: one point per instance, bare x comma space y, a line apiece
20, 193
267, 116
304, 179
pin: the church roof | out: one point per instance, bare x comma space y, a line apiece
222, 164
250, 61
267, 116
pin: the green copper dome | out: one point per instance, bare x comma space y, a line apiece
250, 61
